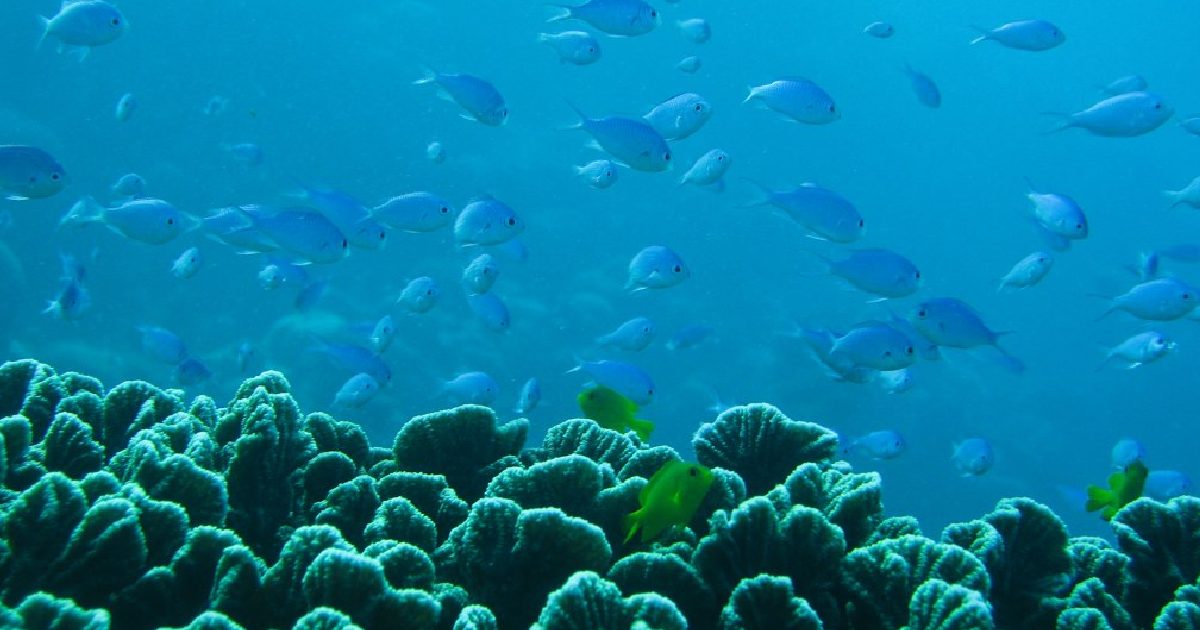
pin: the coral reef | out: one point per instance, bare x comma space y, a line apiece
133, 507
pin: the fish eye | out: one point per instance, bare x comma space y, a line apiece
512, 221
345, 243
887, 354
667, 156
116, 21
445, 210
860, 223
917, 275
55, 176
608, 173
921, 314
650, 392
832, 108
699, 107
1158, 106
170, 221
679, 269
692, 471
33, 179
382, 235
653, 13
908, 350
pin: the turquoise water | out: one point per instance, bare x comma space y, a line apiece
326, 91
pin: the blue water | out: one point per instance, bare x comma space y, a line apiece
325, 89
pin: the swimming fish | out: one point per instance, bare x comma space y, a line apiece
926, 90
599, 174
476, 388
1127, 83
972, 457
1189, 194
1124, 487
879, 30
187, 264
629, 380
415, 212
150, 221
708, 169
1059, 219
633, 335
895, 381
73, 298
689, 64
878, 445
29, 173
529, 397
419, 295
1031, 35
679, 116
480, 274
1121, 116
481, 100
1028, 271
192, 371
382, 334
1161, 299
1125, 452
1164, 485
491, 311
126, 106
656, 267
633, 142
825, 214
306, 234
487, 221
881, 272
952, 323
620, 18
355, 359
573, 47
84, 24
1140, 349
873, 345
696, 29
670, 499
797, 99
349, 215
689, 336
613, 411
129, 185
357, 391
162, 344
435, 152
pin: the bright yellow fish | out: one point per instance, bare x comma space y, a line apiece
613, 411
670, 498
1123, 488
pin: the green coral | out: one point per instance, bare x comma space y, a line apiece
589, 602
464, 444
940, 605
852, 501
767, 603
1163, 545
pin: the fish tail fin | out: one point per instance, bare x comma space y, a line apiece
53, 309
1175, 196
630, 524
764, 195
86, 210
642, 428
44, 22
562, 12
579, 113
428, 75
1067, 122
1097, 498
983, 35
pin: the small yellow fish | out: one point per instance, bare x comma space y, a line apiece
1123, 488
613, 411
670, 498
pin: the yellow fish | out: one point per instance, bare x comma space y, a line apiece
1123, 488
670, 498
613, 411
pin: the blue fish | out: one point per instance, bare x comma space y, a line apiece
619, 18
73, 299
599, 174
150, 221
629, 380
799, 100
708, 169
879, 30
1028, 271
192, 371
420, 295
1164, 485
29, 173
357, 391
350, 216
689, 65
972, 457
1059, 219
874, 346
530, 396
926, 90
491, 311
305, 234
130, 185
1031, 35
879, 271
1122, 116
679, 116
573, 47
689, 336
162, 344
696, 29
656, 267
382, 334
950, 322
187, 264
1160, 300
633, 335
634, 143
825, 214
83, 25
415, 212
487, 221
477, 96
125, 108
480, 274
878, 445
280, 272
355, 359
1126, 451
476, 388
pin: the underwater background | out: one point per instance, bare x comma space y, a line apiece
326, 91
